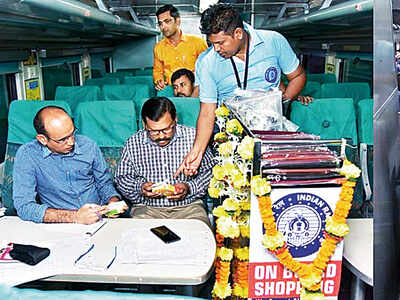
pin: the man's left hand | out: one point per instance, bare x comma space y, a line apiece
181, 190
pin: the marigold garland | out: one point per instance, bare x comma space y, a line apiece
310, 275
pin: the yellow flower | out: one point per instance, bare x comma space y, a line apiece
213, 192
304, 295
230, 169
222, 111
219, 212
225, 149
239, 181
242, 253
337, 229
246, 148
245, 205
225, 254
218, 172
233, 126
350, 170
310, 276
242, 292
227, 227
222, 290
230, 204
273, 242
220, 137
245, 231
260, 186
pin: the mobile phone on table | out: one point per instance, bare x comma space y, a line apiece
165, 234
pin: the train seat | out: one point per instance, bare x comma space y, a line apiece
109, 124
322, 78
311, 88
366, 138
20, 131
74, 95
102, 81
355, 90
167, 92
144, 79
187, 110
331, 118
124, 91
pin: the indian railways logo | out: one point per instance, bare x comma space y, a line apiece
271, 74
300, 217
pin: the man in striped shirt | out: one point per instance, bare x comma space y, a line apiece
151, 156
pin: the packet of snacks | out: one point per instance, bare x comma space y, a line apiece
115, 208
163, 188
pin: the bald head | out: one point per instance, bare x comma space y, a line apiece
55, 129
49, 115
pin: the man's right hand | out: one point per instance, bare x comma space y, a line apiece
160, 84
89, 213
190, 163
147, 190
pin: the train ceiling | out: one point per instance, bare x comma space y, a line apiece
100, 24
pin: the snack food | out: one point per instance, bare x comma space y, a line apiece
163, 188
115, 208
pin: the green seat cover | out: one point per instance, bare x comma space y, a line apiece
145, 71
74, 95
187, 110
329, 118
365, 121
355, 90
125, 92
143, 79
119, 75
20, 131
20, 118
167, 92
102, 81
322, 78
108, 123
311, 88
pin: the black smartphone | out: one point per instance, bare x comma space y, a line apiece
165, 234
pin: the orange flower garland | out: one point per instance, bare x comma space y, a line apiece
310, 275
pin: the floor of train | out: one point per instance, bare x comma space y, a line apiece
203, 291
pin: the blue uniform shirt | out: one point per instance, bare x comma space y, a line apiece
62, 181
269, 54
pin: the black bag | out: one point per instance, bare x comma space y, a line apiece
29, 254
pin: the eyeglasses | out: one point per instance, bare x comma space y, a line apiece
64, 139
167, 130
166, 22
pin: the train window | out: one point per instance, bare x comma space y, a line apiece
76, 74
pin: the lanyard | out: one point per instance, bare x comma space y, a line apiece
246, 69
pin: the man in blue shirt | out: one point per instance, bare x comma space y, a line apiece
241, 57
66, 170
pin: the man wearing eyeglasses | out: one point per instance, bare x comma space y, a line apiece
66, 171
177, 50
151, 156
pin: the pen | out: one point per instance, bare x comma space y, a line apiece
112, 261
82, 255
92, 233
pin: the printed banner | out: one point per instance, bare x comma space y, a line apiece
300, 215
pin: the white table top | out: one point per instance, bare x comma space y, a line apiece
358, 249
15, 230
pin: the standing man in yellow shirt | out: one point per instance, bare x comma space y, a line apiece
176, 50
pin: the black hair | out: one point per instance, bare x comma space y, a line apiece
156, 107
173, 11
38, 120
220, 17
182, 72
